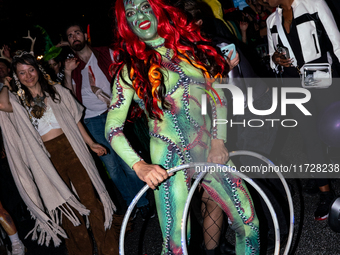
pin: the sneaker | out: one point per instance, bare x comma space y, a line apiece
146, 212
18, 248
134, 213
322, 210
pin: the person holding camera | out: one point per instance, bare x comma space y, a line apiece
302, 32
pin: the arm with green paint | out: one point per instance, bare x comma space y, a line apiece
122, 95
218, 152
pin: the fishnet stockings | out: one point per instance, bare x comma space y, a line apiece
212, 221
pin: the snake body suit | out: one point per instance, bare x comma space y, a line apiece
183, 136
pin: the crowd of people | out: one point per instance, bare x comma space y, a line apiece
133, 110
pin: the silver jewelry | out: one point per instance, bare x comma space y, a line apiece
40, 101
20, 92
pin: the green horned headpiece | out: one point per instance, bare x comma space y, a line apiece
51, 51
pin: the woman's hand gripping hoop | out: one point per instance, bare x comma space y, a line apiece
195, 184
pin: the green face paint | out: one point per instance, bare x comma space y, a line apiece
141, 19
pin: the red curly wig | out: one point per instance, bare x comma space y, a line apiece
144, 63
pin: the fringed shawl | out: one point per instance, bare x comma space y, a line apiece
40, 186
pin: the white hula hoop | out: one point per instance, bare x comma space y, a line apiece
201, 175
133, 204
248, 180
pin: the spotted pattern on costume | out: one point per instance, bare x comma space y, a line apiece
120, 96
116, 131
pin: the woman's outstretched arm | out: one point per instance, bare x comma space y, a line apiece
5, 104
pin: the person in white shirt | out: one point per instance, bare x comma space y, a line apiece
86, 75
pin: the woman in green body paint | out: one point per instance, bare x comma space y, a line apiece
161, 63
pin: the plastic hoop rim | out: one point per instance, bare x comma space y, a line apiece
231, 154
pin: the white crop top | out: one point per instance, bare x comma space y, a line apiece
46, 123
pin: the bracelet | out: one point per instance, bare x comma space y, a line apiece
6, 87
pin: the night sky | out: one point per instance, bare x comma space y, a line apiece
17, 17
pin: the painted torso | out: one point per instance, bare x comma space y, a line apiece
183, 136
184, 133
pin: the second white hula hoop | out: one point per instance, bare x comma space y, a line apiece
191, 192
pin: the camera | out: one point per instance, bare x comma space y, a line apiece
284, 50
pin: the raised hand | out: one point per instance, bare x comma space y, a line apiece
71, 64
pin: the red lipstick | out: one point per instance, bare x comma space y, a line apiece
145, 25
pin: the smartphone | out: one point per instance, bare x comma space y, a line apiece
283, 49
226, 50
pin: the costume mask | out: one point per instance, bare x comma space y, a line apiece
141, 19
